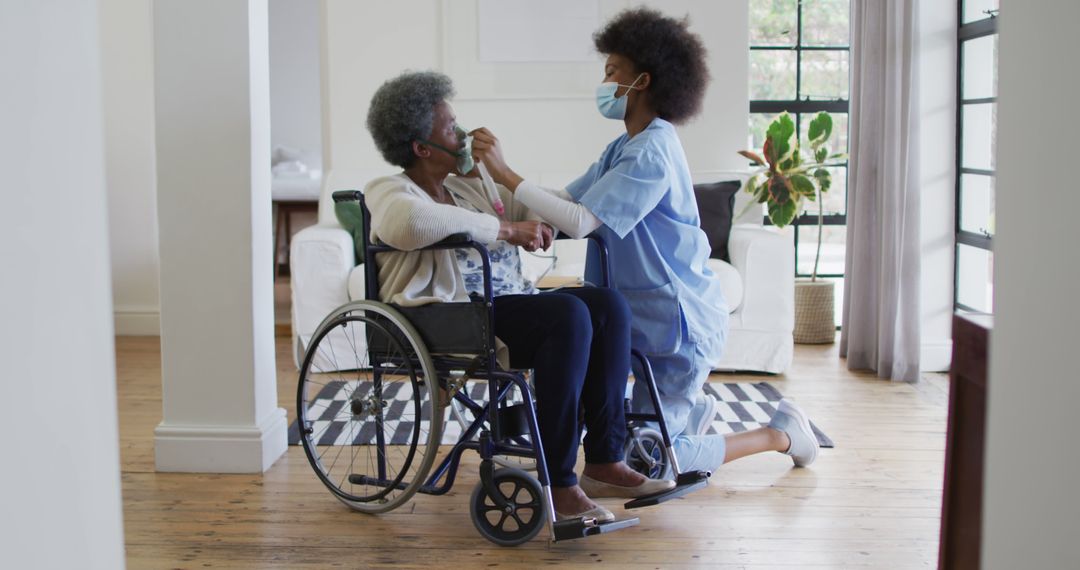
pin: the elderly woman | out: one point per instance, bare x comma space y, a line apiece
640, 198
577, 341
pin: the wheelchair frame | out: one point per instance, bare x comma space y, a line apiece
507, 425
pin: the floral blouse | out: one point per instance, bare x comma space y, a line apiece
506, 277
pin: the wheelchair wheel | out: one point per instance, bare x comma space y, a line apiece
645, 453
516, 524
368, 407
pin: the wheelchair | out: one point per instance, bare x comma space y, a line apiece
373, 397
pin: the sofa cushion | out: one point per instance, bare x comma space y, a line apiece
731, 283
716, 205
356, 284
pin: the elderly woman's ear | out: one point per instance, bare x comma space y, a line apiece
420, 149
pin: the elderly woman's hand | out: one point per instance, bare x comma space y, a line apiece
527, 234
487, 149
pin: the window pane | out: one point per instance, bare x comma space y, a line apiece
772, 75
980, 67
824, 75
977, 203
773, 22
835, 200
975, 278
825, 23
979, 130
832, 249
759, 125
975, 10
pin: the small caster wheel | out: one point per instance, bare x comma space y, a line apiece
645, 453
521, 519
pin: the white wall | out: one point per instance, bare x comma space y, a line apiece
294, 78
1032, 505
60, 482
128, 93
548, 139
936, 41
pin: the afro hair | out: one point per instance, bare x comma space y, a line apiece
668, 51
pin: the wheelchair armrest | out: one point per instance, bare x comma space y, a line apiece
601, 247
454, 241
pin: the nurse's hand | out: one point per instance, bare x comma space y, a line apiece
487, 149
547, 235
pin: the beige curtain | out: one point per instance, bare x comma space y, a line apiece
881, 294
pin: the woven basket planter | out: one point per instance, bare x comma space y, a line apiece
815, 321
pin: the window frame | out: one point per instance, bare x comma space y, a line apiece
799, 107
967, 32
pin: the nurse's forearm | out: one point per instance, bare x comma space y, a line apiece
558, 208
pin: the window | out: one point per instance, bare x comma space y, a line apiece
799, 53
976, 136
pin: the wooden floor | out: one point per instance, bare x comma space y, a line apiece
873, 501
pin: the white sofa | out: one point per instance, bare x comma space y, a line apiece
758, 285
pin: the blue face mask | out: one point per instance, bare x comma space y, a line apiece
609, 105
465, 161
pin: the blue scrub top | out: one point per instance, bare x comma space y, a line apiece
641, 190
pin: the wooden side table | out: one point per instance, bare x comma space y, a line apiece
961, 505
283, 228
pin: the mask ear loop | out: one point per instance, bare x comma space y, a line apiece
632, 85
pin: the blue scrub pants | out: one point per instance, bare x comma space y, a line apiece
679, 377
578, 343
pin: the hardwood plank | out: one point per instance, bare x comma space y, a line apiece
874, 501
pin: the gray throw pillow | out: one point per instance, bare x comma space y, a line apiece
716, 204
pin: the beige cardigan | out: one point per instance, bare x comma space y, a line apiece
405, 217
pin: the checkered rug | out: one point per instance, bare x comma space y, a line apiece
743, 406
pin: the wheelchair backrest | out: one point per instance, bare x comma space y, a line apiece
446, 328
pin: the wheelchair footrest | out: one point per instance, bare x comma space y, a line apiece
685, 484
580, 528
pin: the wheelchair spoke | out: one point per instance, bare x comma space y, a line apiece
376, 412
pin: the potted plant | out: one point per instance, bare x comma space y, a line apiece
784, 179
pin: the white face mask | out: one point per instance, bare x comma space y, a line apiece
608, 104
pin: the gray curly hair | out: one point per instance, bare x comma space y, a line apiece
403, 110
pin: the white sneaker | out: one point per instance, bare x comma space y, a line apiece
791, 420
701, 415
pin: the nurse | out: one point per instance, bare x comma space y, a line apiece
639, 197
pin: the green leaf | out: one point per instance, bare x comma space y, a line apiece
751, 185
754, 157
780, 190
779, 136
821, 154
803, 185
824, 179
820, 129
782, 214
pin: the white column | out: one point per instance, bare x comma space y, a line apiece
213, 157
60, 481
1031, 507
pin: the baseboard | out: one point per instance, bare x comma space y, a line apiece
221, 449
134, 322
935, 356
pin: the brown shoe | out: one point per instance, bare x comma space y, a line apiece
599, 490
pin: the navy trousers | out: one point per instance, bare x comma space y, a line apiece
577, 341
